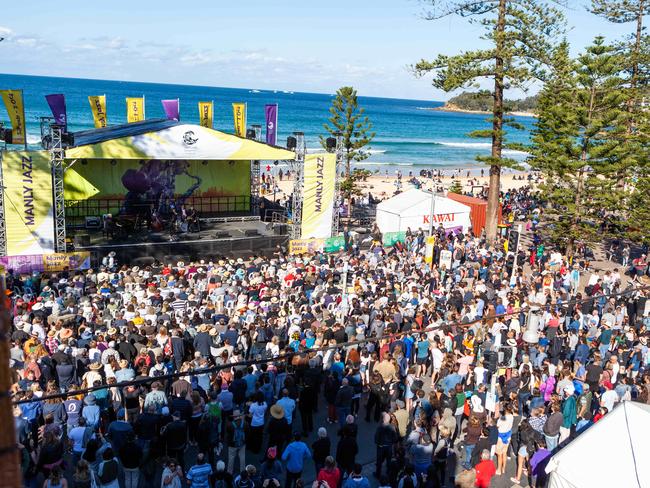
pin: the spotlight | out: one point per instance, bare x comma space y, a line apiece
330, 144
204, 162
250, 134
291, 143
84, 162
114, 162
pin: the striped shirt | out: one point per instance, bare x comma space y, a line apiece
199, 475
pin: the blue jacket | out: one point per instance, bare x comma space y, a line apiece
352, 482
294, 455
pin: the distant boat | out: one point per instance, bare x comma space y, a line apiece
254, 91
286, 91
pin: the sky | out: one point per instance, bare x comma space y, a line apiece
293, 45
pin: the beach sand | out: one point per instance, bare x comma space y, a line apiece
383, 186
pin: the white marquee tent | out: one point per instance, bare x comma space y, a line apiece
412, 208
612, 452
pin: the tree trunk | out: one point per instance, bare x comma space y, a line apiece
492, 217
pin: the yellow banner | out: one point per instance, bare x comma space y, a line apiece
134, 109
13, 100
306, 246
206, 110
318, 196
62, 261
98, 106
29, 219
239, 115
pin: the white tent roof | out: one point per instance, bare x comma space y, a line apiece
613, 452
409, 202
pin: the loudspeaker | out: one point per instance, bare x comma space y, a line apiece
221, 234
251, 233
280, 229
81, 240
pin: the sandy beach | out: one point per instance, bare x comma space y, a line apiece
383, 186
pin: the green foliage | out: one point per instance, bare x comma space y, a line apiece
350, 184
348, 119
483, 101
639, 219
519, 36
456, 187
576, 142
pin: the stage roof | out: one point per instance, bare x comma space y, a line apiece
170, 140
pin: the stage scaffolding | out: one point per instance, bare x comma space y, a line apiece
3, 228
57, 155
297, 166
337, 184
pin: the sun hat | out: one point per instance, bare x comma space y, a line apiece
95, 366
277, 411
65, 333
90, 399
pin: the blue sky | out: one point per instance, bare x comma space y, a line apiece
267, 44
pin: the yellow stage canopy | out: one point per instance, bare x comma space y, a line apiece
183, 141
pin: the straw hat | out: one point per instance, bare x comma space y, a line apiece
95, 366
65, 333
203, 328
124, 363
277, 411
111, 331
51, 332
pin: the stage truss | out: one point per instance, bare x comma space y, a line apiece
57, 155
297, 166
3, 228
337, 184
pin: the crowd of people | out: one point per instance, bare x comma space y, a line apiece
257, 373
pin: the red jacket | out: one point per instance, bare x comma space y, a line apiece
484, 472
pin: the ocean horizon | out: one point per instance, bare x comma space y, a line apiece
409, 133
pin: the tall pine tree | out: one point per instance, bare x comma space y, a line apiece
576, 142
520, 34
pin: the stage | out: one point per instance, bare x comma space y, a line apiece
229, 236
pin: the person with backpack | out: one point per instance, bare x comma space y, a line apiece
108, 470
236, 440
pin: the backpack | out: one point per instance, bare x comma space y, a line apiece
109, 471
239, 436
416, 385
220, 483
443, 453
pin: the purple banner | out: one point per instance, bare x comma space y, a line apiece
57, 106
172, 109
271, 113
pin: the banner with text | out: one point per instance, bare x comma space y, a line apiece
134, 109
239, 116
318, 195
98, 106
389, 239
46, 262
206, 111
57, 106
271, 115
313, 246
29, 216
13, 100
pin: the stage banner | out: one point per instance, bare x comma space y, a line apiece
271, 114
334, 244
318, 196
239, 116
22, 264
13, 100
29, 219
172, 109
306, 246
134, 109
57, 106
206, 110
61, 261
98, 106
392, 238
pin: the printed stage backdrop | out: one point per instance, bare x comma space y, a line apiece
29, 212
318, 196
158, 181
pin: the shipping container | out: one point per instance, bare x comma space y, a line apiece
478, 214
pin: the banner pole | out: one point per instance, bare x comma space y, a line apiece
178, 102
144, 109
22, 96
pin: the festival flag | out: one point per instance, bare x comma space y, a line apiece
206, 110
98, 106
271, 113
57, 106
239, 114
134, 109
172, 108
13, 100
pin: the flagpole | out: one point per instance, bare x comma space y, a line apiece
178, 102
22, 97
144, 110
105, 111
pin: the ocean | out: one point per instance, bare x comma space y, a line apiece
410, 135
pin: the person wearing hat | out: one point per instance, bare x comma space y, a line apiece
569, 412
91, 412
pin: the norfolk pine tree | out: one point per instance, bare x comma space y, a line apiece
520, 34
576, 142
